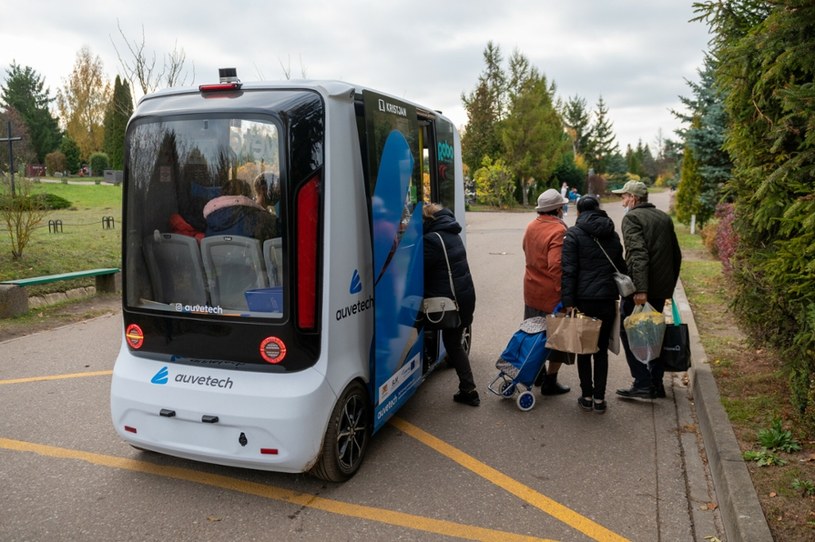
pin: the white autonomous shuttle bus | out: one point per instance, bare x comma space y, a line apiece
276, 329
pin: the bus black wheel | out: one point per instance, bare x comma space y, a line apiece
347, 435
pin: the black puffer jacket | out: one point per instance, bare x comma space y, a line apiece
436, 281
587, 273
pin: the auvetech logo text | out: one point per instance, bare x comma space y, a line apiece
163, 376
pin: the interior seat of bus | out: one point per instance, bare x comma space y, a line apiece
186, 284
233, 264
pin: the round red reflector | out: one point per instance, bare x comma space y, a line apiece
134, 336
272, 350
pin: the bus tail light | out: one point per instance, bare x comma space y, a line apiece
308, 208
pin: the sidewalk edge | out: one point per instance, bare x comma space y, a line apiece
741, 510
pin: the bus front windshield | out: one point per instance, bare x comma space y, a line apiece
205, 224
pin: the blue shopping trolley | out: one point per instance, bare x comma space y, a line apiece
521, 363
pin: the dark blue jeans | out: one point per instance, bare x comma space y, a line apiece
646, 376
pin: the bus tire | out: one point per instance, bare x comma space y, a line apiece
346, 438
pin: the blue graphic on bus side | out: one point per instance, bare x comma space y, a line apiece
161, 377
356, 283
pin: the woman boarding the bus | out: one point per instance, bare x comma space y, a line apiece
441, 221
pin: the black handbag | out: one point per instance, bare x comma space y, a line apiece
442, 312
676, 356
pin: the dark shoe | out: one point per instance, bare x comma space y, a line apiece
467, 397
551, 387
600, 407
659, 391
585, 403
632, 392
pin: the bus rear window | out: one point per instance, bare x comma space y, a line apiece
206, 228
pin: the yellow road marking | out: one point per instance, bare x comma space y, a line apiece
381, 515
553, 508
542, 502
54, 377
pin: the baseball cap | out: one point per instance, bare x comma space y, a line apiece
635, 188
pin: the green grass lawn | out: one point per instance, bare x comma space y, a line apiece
83, 242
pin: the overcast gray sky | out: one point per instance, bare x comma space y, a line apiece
637, 54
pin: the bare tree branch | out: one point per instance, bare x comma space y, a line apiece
140, 67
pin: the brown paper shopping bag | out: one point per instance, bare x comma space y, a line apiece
574, 332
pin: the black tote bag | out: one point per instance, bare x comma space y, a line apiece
676, 345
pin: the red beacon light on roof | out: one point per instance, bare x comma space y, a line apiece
228, 81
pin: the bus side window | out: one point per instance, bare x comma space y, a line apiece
444, 146
427, 161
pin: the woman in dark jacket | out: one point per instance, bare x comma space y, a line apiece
587, 284
236, 213
441, 221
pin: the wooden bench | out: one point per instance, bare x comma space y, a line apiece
14, 299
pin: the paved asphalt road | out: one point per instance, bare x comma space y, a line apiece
439, 471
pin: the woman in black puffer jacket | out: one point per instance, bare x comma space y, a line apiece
588, 285
439, 220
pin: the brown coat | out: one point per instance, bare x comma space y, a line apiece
543, 247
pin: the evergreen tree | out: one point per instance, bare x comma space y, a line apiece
632, 161
569, 171
648, 164
480, 138
688, 195
520, 72
705, 141
601, 145
70, 149
117, 114
533, 136
577, 119
766, 67
485, 108
25, 91
493, 75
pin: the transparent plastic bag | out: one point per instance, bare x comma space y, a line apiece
645, 328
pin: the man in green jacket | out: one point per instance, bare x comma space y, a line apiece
653, 258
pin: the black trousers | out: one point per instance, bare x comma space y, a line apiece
646, 375
457, 358
594, 385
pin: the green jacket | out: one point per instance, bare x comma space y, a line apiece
652, 251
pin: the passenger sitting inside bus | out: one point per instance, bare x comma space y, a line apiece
236, 213
267, 191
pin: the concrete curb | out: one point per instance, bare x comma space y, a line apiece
740, 508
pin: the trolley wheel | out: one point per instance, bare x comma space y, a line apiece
507, 389
525, 401
346, 439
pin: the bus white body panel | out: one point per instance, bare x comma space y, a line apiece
285, 415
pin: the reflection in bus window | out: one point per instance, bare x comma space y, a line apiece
199, 178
